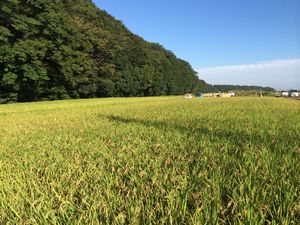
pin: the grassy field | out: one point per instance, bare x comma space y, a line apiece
163, 160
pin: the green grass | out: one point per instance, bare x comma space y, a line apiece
163, 160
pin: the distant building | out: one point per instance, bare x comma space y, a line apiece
278, 94
188, 95
232, 94
219, 94
290, 93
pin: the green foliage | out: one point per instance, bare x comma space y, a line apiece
9, 78
155, 160
4, 35
241, 90
71, 49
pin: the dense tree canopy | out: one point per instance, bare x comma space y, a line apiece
58, 49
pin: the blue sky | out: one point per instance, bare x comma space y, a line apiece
215, 34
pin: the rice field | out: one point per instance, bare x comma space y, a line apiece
156, 160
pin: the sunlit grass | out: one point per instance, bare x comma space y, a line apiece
163, 160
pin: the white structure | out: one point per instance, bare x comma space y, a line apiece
188, 96
294, 94
232, 94
219, 94
285, 94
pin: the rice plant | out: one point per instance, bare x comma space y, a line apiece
157, 160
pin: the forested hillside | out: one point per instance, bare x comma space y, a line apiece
59, 49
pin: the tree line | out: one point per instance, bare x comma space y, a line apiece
240, 88
61, 49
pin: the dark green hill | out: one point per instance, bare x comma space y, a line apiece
59, 49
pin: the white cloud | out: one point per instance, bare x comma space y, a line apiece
281, 74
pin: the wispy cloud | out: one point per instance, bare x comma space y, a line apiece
282, 74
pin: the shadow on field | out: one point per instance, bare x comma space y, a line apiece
198, 131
